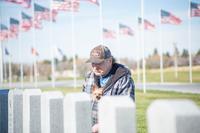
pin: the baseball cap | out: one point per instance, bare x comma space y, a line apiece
98, 54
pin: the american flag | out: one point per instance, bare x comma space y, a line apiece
26, 22
41, 13
169, 18
195, 9
60, 52
34, 52
3, 32
24, 3
96, 2
108, 34
65, 5
125, 30
148, 25
14, 27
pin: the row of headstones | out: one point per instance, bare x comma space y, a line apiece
33, 111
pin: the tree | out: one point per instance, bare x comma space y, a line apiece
155, 51
64, 58
198, 53
167, 54
185, 53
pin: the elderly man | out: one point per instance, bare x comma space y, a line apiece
107, 78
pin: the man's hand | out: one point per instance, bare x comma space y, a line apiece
95, 128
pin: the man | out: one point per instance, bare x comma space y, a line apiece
107, 78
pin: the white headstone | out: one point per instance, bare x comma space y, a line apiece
117, 115
52, 112
173, 116
32, 111
77, 113
15, 111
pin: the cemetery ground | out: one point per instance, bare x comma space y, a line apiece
143, 100
153, 75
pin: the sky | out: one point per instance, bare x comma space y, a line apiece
87, 29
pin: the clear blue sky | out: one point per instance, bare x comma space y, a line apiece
87, 29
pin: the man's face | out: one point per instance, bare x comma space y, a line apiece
102, 68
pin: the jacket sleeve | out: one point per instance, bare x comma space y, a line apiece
125, 86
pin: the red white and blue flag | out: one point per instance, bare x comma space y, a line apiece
65, 5
195, 9
26, 22
44, 13
125, 30
96, 2
169, 18
3, 32
24, 3
14, 27
147, 24
41, 13
109, 34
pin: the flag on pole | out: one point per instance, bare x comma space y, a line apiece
43, 13
169, 18
3, 32
60, 52
34, 52
125, 30
195, 9
14, 27
24, 3
147, 24
109, 34
26, 22
96, 2
65, 5
6, 52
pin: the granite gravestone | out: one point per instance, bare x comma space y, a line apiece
52, 112
117, 115
4, 110
77, 113
32, 111
173, 116
15, 111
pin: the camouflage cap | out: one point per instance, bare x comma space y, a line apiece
99, 54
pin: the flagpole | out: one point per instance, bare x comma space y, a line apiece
175, 61
52, 68
138, 60
34, 46
101, 21
118, 40
1, 63
1, 56
10, 72
73, 45
20, 57
189, 44
161, 50
142, 43
53, 49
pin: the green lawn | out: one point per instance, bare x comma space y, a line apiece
153, 75
144, 100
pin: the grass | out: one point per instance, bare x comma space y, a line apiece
153, 75
143, 101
